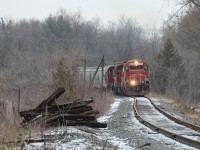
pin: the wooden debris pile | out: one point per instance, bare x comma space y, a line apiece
70, 114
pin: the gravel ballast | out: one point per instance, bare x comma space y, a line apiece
124, 125
123, 132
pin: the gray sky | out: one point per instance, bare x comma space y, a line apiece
146, 12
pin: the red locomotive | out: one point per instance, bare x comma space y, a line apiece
130, 78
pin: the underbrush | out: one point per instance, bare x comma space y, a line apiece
9, 124
11, 130
12, 134
102, 100
102, 97
189, 111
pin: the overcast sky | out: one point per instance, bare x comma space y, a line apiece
146, 12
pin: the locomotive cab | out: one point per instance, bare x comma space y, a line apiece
136, 78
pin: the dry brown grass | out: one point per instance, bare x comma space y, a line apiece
11, 130
10, 125
161, 97
9, 121
194, 115
189, 111
102, 100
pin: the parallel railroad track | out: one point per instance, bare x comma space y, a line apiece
148, 114
177, 120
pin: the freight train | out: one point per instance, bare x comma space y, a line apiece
130, 77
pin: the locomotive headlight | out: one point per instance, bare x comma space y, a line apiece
133, 82
136, 63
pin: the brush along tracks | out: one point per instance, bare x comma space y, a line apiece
149, 116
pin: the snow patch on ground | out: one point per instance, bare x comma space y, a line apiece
158, 136
117, 142
64, 144
113, 108
84, 143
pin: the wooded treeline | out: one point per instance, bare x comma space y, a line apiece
183, 28
31, 49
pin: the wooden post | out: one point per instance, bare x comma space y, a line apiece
100, 64
18, 105
84, 76
45, 117
102, 72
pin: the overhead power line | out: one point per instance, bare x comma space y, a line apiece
195, 3
175, 14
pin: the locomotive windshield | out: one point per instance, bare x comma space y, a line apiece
138, 67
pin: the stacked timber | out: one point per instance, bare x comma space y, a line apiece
74, 113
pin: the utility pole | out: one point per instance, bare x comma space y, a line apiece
102, 72
18, 105
100, 64
84, 76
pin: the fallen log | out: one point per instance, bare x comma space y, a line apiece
93, 124
51, 98
71, 105
71, 113
78, 110
62, 117
63, 107
31, 114
90, 112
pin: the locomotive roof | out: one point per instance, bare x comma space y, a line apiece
138, 60
116, 65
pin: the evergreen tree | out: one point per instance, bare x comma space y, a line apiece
169, 69
58, 27
65, 77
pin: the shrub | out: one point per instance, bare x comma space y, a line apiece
65, 76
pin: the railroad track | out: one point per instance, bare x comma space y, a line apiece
150, 115
177, 120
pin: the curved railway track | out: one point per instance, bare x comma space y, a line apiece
172, 117
150, 115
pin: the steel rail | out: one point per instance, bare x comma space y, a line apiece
169, 134
177, 120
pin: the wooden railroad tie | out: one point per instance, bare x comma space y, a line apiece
49, 113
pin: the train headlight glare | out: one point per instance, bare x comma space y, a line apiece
136, 63
133, 82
